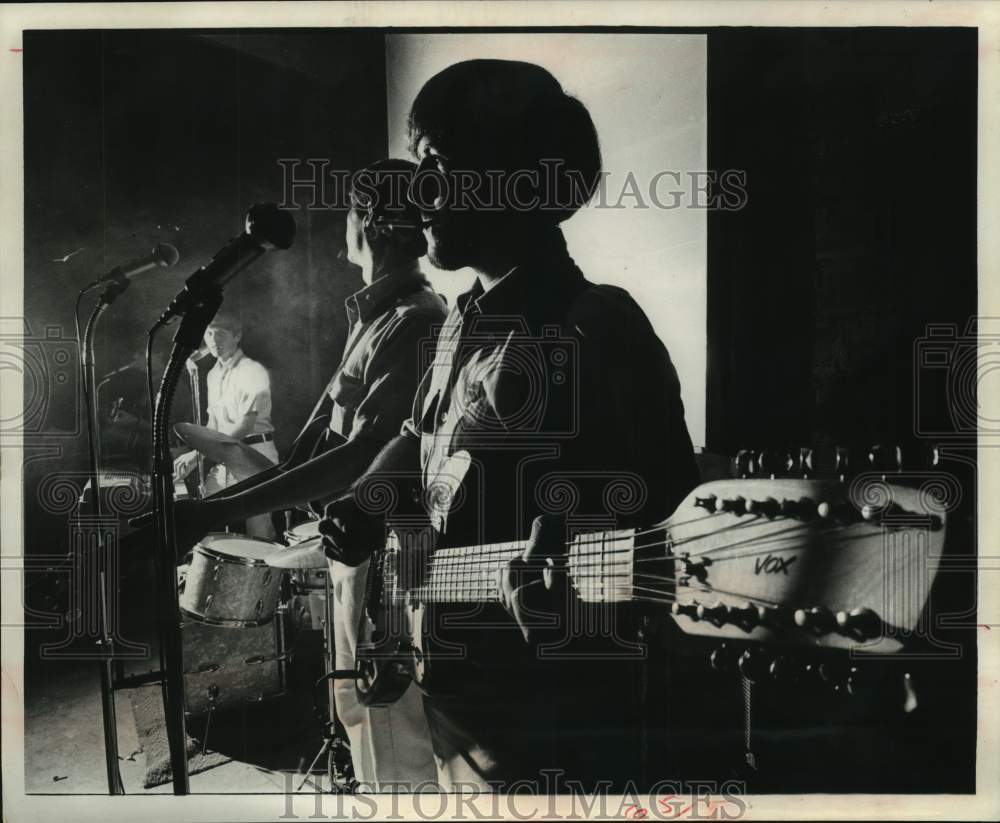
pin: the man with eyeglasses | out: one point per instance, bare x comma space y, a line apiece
546, 390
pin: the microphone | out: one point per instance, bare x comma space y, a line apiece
198, 355
192, 361
116, 372
162, 256
266, 227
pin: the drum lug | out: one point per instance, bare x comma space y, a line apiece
205, 668
208, 602
216, 571
258, 608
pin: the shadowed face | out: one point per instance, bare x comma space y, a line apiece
354, 238
452, 233
221, 342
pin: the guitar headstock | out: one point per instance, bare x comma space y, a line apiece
805, 562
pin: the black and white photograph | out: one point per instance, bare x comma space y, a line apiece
534, 411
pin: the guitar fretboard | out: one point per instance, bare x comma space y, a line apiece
599, 564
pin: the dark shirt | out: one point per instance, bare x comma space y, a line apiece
393, 325
549, 394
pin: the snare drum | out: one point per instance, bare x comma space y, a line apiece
229, 584
308, 586
306, 580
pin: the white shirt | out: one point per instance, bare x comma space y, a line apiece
237, 387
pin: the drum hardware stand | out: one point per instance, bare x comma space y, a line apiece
192, 370
186, 341
340, 770
213, 693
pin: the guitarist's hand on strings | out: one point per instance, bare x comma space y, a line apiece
532, 586
350, 534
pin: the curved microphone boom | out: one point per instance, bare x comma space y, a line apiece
266, 227
163, 256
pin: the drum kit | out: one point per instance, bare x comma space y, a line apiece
237, 596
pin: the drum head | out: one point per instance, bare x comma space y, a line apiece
237, 547
302, 532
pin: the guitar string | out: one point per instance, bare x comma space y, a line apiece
715, 590
643, 576
506, 550
762, 540
475, 564
479, 567
505, 547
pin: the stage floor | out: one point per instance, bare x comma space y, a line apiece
64, 739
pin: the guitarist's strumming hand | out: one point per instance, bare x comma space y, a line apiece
532, 586
350, 534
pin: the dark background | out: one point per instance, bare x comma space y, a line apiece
133, 138
859, 147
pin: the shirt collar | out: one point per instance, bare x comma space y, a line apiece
530, 288
226, 365
372, 299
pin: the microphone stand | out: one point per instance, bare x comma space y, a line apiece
192, 370
106, 641
187, 339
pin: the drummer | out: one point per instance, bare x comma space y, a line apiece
393, 322
239, 405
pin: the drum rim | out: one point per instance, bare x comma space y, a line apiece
229, 558
227, 624
290, 533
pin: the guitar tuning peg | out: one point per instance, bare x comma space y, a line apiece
816, 619
722, 658
773, 616
833, 672
885, 458
858, 678
754, 665
735, 505
785, 670
769, 507
842, 461
707, 503
862, 624
746, 616
773, 463
715, 614
697, 569
806, 464
745, 463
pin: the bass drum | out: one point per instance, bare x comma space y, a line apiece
226, 668
229, 584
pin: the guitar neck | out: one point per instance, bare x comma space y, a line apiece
600, 567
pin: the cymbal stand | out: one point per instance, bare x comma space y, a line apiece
339, 768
